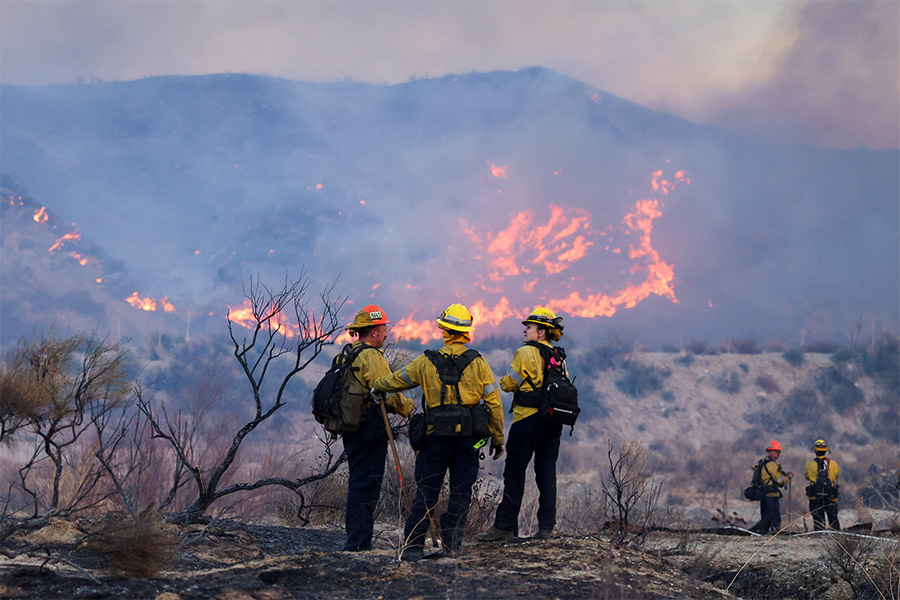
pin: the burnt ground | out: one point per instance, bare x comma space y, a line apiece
231, 561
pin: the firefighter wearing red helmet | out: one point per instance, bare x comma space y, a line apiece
444, 450
772, 478
529, 436
367, 448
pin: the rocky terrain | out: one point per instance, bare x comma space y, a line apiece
228, 560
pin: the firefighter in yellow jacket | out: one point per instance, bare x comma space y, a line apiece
367, 448
772, 477
822, 492
529, 436
457, 454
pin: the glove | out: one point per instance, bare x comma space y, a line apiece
379, 397
496, 451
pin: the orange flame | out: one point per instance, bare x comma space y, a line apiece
149, 304
498, 171
69, 237
659, 274
41, 215
244, 317
554, 244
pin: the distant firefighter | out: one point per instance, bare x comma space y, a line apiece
772, 477
822, 473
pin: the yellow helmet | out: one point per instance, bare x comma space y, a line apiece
545, 317
456, 317
820, 445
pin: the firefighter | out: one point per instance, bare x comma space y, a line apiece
822, 492
457, 454
530, 436
367, 448
772, 477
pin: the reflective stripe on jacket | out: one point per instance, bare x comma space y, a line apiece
527, 364
773, 475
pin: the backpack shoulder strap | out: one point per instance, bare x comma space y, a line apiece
442, 363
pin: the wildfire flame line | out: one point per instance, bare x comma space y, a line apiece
557, 244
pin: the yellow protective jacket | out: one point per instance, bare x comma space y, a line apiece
812, 472
525, 374
773, 475
372, 365
477, 382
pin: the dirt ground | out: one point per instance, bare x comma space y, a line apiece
228, 560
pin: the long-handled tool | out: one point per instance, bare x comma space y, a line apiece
789, 503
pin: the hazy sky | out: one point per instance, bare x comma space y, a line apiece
823, 72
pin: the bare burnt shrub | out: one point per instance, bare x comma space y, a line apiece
582, 506
631, 494
849, 557
139, 546
640, 380
767, 383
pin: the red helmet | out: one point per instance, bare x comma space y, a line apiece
774, 445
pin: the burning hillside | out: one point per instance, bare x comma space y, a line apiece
500, 190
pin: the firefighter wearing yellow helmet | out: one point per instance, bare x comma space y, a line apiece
529, 435
822, 491
444, 450
367, 448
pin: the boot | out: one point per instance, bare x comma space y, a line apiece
494, 535
544, 534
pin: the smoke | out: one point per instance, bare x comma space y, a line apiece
838, 84
500, 190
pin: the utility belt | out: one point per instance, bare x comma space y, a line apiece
449, 420
528, 399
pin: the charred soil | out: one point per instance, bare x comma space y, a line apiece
233, 561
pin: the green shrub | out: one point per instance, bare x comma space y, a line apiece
727, 381
794, 356
611, 354
639, 380
837, 389
685, 360
745, 346
696, 347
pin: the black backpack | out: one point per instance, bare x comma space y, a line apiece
823, 487
338, 399
757, 491
557, 400
455, 419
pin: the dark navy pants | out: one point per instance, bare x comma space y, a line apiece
530, 437
442, 454
770, 515
365, 457
822, 508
